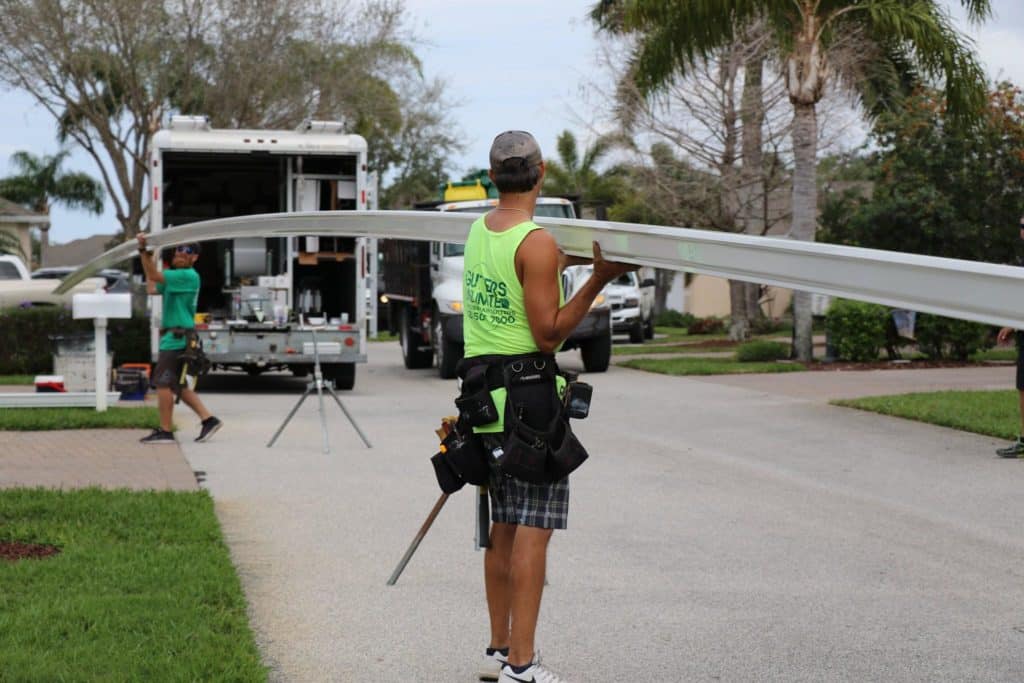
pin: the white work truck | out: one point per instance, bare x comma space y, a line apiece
261, 298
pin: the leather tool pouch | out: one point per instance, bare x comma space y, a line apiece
461, 460
475, 405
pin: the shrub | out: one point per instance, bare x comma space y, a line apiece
26, 338
857, 329
706, 326
939, 337
670, 318
756, 351
767, 325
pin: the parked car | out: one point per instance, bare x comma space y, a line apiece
117, 280
632, 303
19, 288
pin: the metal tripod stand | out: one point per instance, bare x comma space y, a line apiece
319, 384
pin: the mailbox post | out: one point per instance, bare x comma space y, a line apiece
99, 307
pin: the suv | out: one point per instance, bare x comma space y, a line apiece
632, 304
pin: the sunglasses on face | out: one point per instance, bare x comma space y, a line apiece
185, 249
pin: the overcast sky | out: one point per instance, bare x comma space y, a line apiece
524, 65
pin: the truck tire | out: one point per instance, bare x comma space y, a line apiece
649, 327
414, 357
448, 353
596, 353
342, 374
636, 332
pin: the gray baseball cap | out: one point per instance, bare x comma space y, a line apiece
515, 144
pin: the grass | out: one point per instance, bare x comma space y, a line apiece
17, 379
142, 590
41, 419
995, 354
635, 349
707, 366
384, 337
993, 413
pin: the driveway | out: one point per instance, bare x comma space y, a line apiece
719, 531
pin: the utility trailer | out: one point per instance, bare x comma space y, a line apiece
261, 297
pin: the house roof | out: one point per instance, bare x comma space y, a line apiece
76, 252
16, 213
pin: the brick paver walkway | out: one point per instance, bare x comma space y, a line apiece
109, 458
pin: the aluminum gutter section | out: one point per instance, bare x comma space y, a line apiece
969, 290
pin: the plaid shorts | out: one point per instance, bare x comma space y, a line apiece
514, 501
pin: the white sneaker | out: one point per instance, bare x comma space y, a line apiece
536, 673
490, 667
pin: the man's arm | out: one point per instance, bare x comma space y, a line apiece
538, 265
153, 275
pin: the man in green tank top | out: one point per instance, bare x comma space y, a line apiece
513, 303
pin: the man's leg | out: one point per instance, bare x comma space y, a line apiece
526, 579
1020, 403
191, 399
496, 581
165, 404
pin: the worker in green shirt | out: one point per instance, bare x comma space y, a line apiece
179, 286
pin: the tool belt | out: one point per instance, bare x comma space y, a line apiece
192, 362
539, 445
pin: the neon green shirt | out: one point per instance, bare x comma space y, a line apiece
494, 310
180, 290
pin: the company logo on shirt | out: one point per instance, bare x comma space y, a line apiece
487, 299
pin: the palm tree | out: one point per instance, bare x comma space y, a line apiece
575, 176
893, 37
41, 184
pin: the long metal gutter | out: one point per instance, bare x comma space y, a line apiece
969, 290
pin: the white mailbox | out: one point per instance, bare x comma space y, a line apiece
99, 307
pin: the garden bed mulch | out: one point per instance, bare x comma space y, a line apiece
16, 550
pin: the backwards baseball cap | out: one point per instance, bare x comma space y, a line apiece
515, 144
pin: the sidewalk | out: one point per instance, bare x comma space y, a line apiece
108, 458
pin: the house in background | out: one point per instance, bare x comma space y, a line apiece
76, 252
19, 221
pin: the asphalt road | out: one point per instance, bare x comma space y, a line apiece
717, 533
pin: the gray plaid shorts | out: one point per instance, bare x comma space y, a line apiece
514, 501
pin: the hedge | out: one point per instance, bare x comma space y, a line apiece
27, 345
857, 329
939, 337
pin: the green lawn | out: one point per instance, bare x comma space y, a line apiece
707, 366
385, 337
635, 349
996, 354
993, 413
38, 419
17, 379
142, 590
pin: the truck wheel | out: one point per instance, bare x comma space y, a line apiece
636, 332
342, 374
649, 328
414, 357
597, 353
448, 353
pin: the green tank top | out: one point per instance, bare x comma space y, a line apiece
494, 312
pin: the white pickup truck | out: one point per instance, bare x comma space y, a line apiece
17, 288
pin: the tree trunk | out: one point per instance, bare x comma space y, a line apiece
739, 323
805, 214
752, 176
